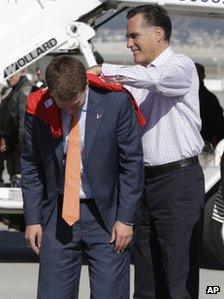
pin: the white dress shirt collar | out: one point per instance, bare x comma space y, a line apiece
84, 107
159, 60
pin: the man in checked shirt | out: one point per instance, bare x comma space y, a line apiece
165, 85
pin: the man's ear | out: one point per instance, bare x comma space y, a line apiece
159, 34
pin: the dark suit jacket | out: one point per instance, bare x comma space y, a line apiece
112, 160
211, 114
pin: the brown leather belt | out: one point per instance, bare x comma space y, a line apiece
151, 171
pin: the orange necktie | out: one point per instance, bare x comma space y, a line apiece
70, 210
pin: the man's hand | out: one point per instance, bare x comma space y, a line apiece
96, 69
121, 234
33, 236
2, 145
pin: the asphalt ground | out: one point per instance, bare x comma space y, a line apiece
19, 271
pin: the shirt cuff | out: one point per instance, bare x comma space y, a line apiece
128, 223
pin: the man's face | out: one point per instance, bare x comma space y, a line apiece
14, 79
73, 106
142, 39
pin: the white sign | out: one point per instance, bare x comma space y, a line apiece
25, 60
209, 5
205, 3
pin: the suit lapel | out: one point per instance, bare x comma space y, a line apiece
93, 120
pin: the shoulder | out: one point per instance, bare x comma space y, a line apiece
184, 62
118, 97
179, 58
38, 98
41, 105
111, 98
212, 96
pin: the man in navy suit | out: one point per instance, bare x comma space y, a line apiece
111, 183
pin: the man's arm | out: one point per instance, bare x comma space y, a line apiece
22, 100
32, 185
130, 175
130, 163
172, 79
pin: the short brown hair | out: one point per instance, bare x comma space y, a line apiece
65, 78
